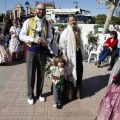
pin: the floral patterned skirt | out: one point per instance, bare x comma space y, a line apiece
4, 54
114, 71
110, 105
14, 45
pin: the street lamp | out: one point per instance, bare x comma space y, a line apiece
27, 5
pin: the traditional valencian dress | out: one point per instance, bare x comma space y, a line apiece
4, 52
14, 45
72, 46
110, 105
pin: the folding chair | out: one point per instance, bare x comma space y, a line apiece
96, 52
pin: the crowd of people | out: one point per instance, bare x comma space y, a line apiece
10, 43
67, 69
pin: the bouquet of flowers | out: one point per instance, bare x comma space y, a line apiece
17, 37
48, 68
38, 31
56, 33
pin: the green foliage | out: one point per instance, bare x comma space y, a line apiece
92, 39
101, 16
115, 20
100, 19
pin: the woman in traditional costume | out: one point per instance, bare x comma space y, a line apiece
72, 48
14, 45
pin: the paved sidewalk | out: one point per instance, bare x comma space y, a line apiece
13, 99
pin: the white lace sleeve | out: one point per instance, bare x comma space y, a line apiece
63, 40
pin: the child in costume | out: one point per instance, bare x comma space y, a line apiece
58, 76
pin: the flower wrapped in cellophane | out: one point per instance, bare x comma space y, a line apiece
38, 31
48, 68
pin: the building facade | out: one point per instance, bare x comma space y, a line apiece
49, 5
19, 12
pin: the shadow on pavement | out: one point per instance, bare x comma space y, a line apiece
63, 100
48, 94
94, 84
89, 87
15, 62
104, 65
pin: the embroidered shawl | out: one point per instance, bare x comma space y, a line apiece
68, 44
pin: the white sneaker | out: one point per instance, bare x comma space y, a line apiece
30, 101
54, 104
42, 99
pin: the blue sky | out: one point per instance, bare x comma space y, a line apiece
90, 5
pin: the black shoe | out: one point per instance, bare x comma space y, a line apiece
109, 69
98, 64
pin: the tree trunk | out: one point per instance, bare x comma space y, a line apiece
108, 19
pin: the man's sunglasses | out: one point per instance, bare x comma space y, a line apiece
41, 9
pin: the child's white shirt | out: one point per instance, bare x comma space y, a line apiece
56, 72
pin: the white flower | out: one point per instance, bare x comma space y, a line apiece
38, 29
56, 31
51, 68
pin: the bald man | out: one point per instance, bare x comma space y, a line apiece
36, 50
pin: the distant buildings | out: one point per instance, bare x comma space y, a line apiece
19, 12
